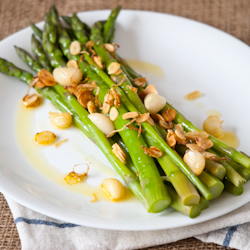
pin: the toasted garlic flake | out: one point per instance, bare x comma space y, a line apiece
98, 61
95, 198
72, 64
164, 125
109, 47
102, 122
154, 103
75, 48
209, 156
134, 89
31, 101
212, 125
85, 96
153, 151
60, 120
129, 115
74, 178
46, 77
157, 118
195, 161
140, 82
179, 131
113, 68
113, 114
91, 107
113, 188
150, 89
194, 147
119, 153
169, 114
197, 134
60, 143
119, 130
204, 143
116, 96
142, 117
120, 83
171, 141
193, 95
150, 121
118, 72
45, 137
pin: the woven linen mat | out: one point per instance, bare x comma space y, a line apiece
231, 16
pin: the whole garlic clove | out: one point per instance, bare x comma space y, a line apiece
113, 188
154, 103
102, 122
195, 160
67, 76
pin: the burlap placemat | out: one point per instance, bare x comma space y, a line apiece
231, 16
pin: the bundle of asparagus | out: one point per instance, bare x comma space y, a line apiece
142, 136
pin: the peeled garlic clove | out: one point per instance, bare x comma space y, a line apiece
102, 122
212, 125
67, 76
113, 188
45, 137
195, 160
31, 101
154, 103
60, 120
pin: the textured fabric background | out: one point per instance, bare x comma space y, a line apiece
231, 16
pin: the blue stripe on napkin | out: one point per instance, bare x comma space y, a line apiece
229, 236
43, 222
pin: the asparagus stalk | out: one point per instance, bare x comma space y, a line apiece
204, 203
185, 189
109, 26
49, 43
231, 174
231, 188
191, 211
36, 30
214, 185
41, 57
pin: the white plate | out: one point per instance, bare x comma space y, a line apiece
192, 55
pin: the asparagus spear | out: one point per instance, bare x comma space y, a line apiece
231, 174
36, 30
214, 185
27, 58
49, 44
185, 189
191, 211
231, 188
109, 26
204, 203
41, 57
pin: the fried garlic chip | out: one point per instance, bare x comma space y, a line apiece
74, 178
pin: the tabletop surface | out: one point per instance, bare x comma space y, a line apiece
231, 16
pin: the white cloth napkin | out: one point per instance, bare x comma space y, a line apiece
38, 231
